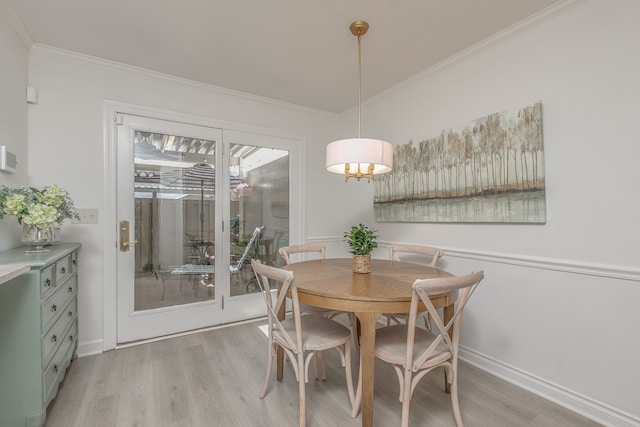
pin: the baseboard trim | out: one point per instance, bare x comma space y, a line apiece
590, 408
90, 348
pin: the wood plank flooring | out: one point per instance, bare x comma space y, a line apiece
214, 378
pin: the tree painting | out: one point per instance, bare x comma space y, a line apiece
490, 170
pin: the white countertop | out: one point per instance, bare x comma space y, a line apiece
9, 271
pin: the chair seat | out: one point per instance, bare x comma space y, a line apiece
312, 309
391, 346
318, 333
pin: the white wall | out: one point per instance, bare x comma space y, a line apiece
13, 117
558, 310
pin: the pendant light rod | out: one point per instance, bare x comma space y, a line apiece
359, 29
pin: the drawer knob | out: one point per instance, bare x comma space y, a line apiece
54, 338
70, 313
70, 289
54, 307
70, 337
55, 368
73, 262
47, 282
63, 270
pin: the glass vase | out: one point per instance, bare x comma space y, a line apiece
37, 239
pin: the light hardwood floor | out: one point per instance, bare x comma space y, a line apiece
214, 378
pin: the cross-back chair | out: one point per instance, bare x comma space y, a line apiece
414, 351
429, 251
409, 253
288, 254
301, 337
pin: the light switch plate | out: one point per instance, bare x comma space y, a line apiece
87, 216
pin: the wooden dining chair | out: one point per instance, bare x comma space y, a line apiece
433, 253
288, 254
414, 351
300, 337
319, 250
412, 253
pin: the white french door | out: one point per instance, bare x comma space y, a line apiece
189, 199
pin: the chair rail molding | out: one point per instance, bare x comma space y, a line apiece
542, 263
555, 264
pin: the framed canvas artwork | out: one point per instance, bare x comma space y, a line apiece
488, 171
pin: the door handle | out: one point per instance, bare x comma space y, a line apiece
125, 244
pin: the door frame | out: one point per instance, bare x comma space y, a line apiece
297, 210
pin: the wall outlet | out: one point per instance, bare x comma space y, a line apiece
87, 216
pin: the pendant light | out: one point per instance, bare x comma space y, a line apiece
359, 157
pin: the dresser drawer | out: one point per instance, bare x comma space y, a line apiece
52, 308
47, 283
54, 373
55, 336
63, 269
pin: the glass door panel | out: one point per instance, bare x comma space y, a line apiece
174, 220
259, 211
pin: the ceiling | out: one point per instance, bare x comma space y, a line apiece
296, 51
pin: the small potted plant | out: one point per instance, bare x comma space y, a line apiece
362, 241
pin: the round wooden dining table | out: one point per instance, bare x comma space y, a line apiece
331, 283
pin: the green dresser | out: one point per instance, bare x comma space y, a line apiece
38, 331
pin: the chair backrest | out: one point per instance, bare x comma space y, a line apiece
287, 251
464, 286
434, 253
264, 273
253, 243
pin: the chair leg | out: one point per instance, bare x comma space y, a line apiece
454, 400
406, 397
315, 365
358, 398
268, 374
323, 365
348, 374
353, 320
301, 387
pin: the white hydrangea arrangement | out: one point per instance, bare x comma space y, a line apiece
38, 208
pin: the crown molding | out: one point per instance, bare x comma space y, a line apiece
25, 36
120, 66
